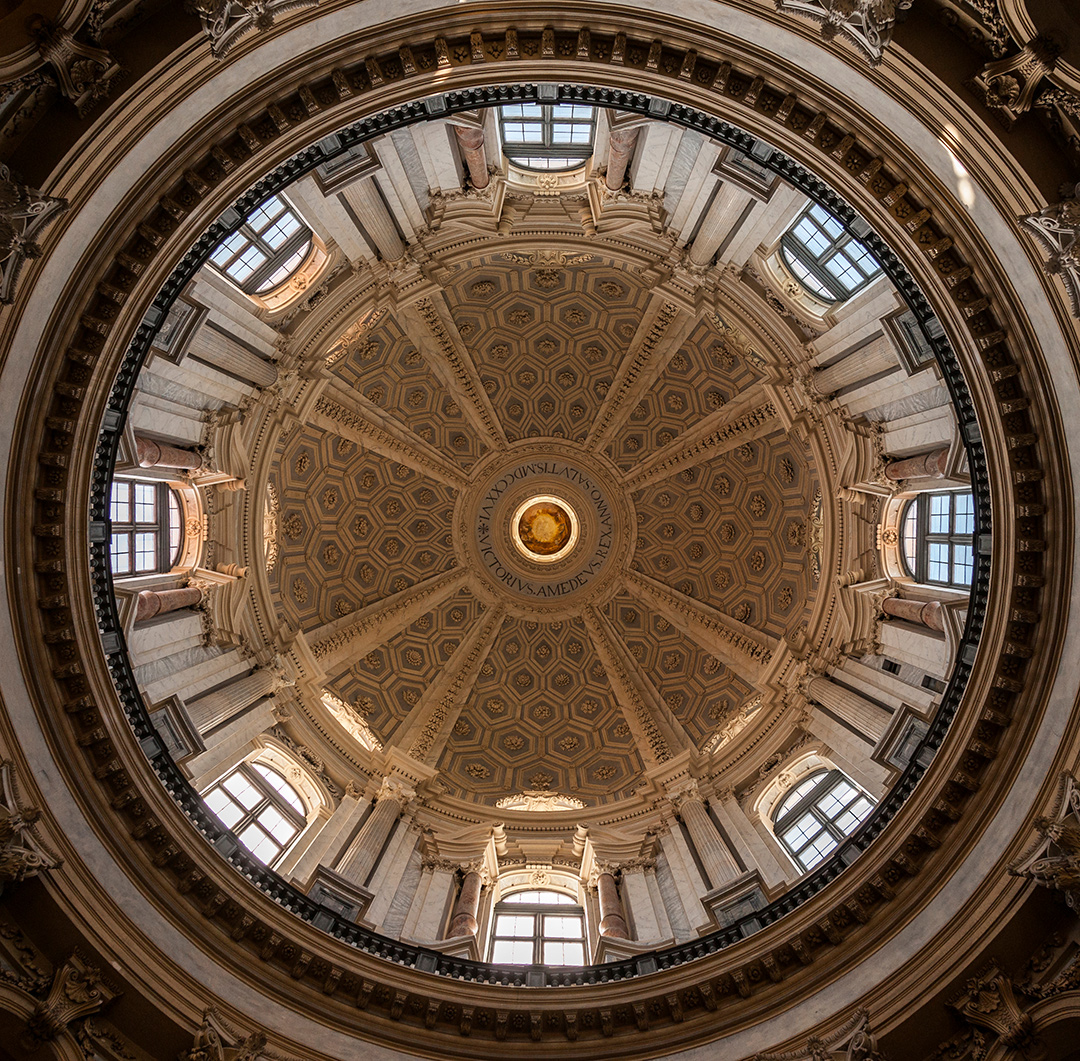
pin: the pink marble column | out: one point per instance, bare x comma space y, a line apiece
924, 466
621, 143
463, 922
151, 602
925, 613
612, 920
471, 142
151, 454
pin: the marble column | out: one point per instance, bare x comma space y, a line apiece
471, 142
151, 454
222, 351
366, 202
863, 716
870, 360
924, 466
716, 859
765, 855
621, 144
362, 854
463, 921
925, 613
213, 708
612, 918
724, 211
641, 895
301, 865
151, 602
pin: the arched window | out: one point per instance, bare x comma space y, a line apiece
266, 249
538, 928
818, 813
260, 807
938, 534
549, 136
825, 258
147, 527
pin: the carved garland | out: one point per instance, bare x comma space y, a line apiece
56, 631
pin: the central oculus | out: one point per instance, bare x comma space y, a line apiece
544, 528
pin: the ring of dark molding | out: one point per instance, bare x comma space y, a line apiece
178, 786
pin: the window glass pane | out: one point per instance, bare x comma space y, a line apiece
522, 110
146, 556
246, 264
279, 276
258, 843
175, 525
536, 896
281, 230
964, 514
556, 953
937, 568
120, 503
806, 828
911, 538
145, 502
281, 785
512, 952
120, 554
228, 247
224, 807
797, 794
939, 513
243, 790
815, 852
563, 926
963, 564
515, 925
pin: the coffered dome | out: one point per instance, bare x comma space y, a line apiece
687, 491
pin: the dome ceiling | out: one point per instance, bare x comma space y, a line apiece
551, 655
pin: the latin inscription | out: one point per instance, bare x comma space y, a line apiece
600, 510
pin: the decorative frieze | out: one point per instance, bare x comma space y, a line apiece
24, 215
1007, 86
224, 22
1057, 228
22, 854
853, 1042
82, 71
868, 24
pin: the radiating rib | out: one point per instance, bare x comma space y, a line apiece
747, 651
429, 325
428, 724
339, 644
663, 329
752, 416
347, 413
657, 733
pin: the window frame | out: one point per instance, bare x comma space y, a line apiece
167, 555
525, 155
538, 911
785, 819
809, 267
275, 258
270, 798
920, 571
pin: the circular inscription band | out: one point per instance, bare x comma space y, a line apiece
545, 531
